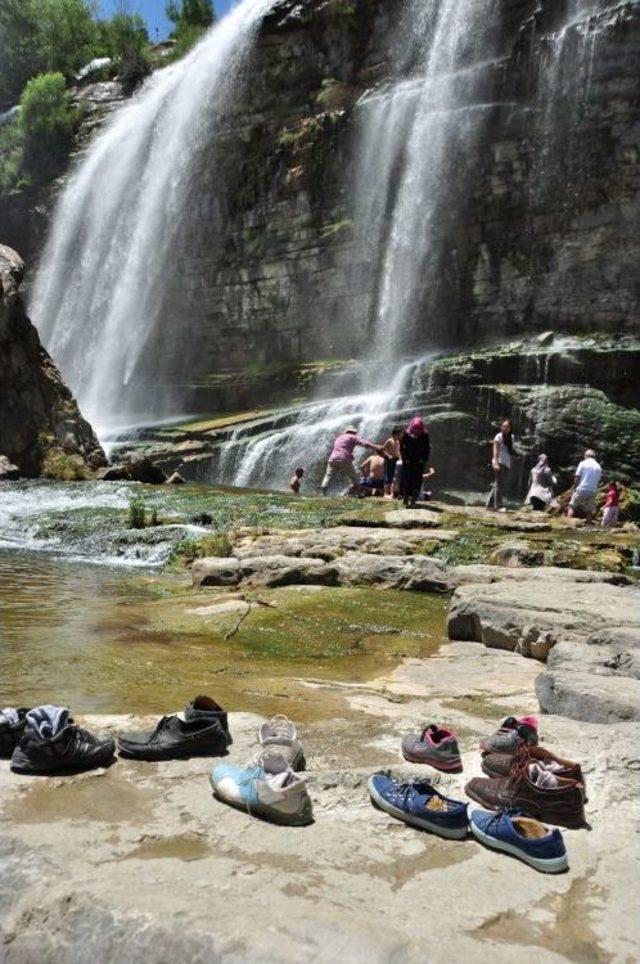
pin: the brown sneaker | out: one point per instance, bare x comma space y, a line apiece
540, 793
500, 764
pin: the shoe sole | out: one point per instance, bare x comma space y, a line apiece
568, 824
436, 764
270, 816
180, 754
24, 767
458, 833
553, 865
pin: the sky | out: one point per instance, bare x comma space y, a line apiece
153, 13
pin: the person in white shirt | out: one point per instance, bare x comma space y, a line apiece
500, 463
585, 486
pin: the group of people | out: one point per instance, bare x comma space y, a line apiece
541, 494
399, 468
395, 468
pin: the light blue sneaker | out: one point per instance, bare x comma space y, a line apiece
522, 837
267, 787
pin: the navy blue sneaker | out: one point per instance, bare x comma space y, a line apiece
420, 805
522, 837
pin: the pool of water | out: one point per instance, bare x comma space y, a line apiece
116, 640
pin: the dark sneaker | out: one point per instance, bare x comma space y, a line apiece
435, 746
511, 735
535, 791
419, 805
12, 724
267, 787
522, 837
500, 764
280, 735
62, 748
205, 709
174, 738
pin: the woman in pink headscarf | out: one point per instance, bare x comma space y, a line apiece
415, 449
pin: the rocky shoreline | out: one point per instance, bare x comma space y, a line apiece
139, 861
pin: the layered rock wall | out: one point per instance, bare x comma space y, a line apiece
41, 428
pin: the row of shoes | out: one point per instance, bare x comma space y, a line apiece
45, 740
525, 786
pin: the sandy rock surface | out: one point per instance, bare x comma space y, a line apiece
140, 862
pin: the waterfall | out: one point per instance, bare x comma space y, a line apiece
414, 164
112, 254
407, 137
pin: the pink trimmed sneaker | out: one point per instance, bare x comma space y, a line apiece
511, 735
435, 746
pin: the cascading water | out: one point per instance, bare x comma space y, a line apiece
264, 459
414, 163
111, 255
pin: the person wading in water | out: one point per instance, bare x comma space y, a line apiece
415, 448
341, 459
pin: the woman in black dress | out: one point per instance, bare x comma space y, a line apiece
415, 448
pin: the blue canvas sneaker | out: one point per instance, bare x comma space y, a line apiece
420, 805
522, 837
267, 787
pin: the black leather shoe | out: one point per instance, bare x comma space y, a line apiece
174, 738
207, 710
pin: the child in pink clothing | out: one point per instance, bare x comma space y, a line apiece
611, 509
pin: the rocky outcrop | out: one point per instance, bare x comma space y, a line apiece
351, 569
587, 634
41, 428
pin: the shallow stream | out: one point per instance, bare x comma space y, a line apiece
91, 618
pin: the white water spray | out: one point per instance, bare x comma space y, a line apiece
110, 256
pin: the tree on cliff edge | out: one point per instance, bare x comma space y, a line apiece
190, 13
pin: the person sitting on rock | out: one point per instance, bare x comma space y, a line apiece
373, 475
585, 486
341, 459
611, 508
295, 481
541, 482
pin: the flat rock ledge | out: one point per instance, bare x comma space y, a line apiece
587, 631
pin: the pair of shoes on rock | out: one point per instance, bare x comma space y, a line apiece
438, 747
420, 805
537, 782
204, 731
45, 741
269, 786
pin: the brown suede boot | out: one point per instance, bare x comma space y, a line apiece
562, 804
500, 764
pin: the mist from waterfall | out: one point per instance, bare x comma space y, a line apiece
111, 253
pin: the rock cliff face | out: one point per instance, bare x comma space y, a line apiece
41, 428
543, 237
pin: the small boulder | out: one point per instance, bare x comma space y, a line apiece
175, 479
114, 473
516, 553
142, 469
